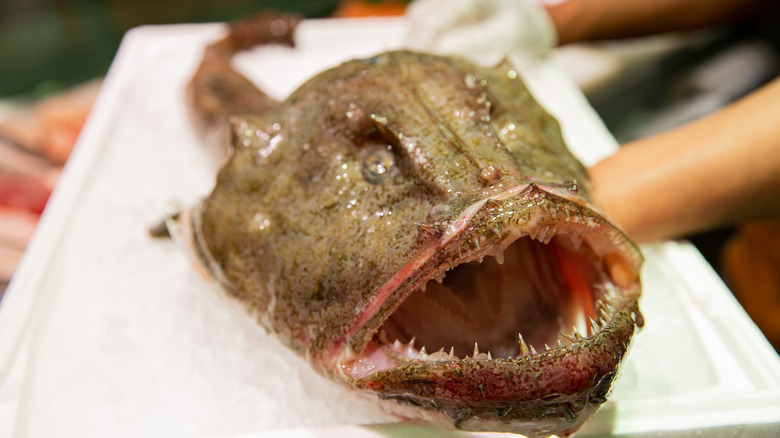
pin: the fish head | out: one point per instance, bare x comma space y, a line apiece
415, 226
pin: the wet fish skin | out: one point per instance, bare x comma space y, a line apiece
331, 255
379, 175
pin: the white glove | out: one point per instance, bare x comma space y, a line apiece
480, 28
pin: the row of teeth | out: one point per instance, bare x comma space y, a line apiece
410, 352
543, 235
475, 244
498, 254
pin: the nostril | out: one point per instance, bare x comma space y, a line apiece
489, 175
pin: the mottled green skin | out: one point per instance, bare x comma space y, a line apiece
332, 238
308, 240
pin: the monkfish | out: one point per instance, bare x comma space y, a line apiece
415, 227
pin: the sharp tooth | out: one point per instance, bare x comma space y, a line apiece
499, 255
560, 344
397, 345
533, 350
490, 356
542, 235
523, 346
546, 347
577, 335
452, 351
476, 349
569, 337
593, 325
411, 343
423, 353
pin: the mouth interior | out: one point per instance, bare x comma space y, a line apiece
542, 293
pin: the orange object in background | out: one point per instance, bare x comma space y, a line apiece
51, 126
751, 268
35, 141
363, 8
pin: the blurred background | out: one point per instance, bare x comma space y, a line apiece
49, 44
54, 53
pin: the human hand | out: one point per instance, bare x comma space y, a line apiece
480, 28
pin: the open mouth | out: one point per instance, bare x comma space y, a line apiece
529, 297
523, 294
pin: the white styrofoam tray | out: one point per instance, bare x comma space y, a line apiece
106, 332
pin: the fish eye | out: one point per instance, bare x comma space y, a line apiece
378, 163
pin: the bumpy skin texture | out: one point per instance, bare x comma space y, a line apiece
333, 238
380, 174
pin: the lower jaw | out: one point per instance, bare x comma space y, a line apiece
536, 395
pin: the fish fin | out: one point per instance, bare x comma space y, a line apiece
217, 91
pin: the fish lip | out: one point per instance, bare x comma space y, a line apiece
406, 280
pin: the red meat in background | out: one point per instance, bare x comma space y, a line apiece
35, 141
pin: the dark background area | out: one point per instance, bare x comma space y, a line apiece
47, 45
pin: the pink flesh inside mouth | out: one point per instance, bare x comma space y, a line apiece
509, 301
